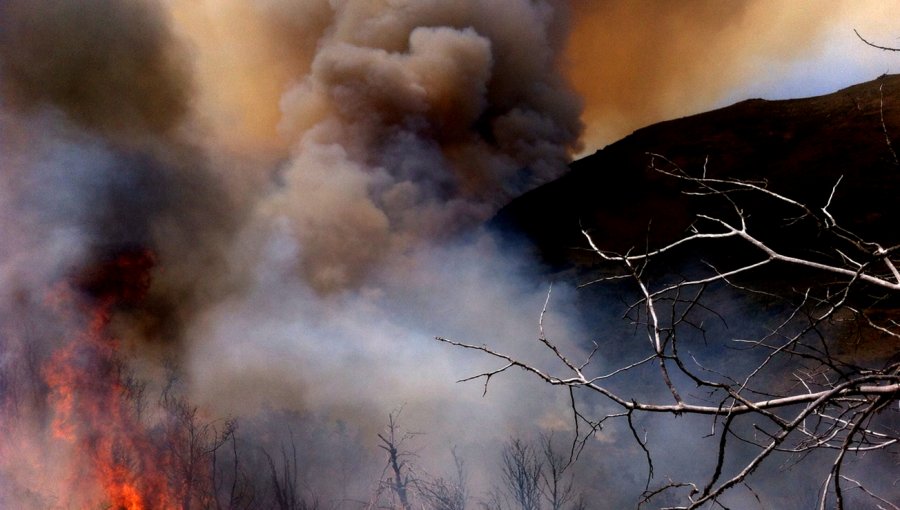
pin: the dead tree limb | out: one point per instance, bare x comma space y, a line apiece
821, 403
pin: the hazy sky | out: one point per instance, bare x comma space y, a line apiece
637, 63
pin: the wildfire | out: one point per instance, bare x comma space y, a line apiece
95, 407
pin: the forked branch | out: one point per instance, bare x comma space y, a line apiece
833, 405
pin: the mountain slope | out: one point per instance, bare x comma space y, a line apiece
800, 147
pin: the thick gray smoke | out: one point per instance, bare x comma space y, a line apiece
416, 121
308, 274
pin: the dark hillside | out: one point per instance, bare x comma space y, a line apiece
799, 147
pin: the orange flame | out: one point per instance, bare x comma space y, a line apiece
94, 408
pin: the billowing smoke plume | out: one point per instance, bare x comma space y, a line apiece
415, 121
265, 243
410, 124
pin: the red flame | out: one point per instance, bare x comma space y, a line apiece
95, 409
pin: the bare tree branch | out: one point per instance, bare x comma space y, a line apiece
832, 405
885, 48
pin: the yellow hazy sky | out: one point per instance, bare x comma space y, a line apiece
640, 62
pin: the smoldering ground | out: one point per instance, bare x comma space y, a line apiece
308, 179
